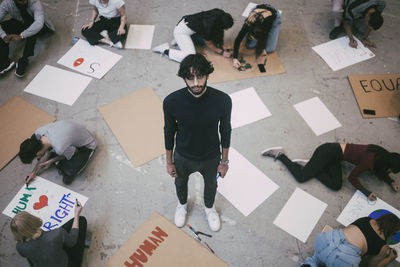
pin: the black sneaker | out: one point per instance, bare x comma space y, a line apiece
335, 32
21, 67
67, 179
7, 67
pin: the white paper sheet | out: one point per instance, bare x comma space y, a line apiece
249, 7
139, 36
300, 214
52, 203
360, 206
245, 186
58, 85
247, 107
338, 54
317, 116
89, 59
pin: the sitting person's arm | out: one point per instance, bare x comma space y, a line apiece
347, 28
93, 17
385, 256
121, 29
71, 238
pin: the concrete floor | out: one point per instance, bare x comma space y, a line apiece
122, 197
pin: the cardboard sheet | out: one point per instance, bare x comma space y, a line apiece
300, 214
137, 122
224, 71
317, 116
139, 36
245, 186
89, 59
58, 85
360, 206
247, 107
338, 54
52, 203
19, 120
377, 93
159, 242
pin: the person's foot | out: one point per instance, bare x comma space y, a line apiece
104, 34
335, 32
7, 67
67, 179
273, 152
116, 45
213, 218
302, 162
161, 48
180, 214
21, 67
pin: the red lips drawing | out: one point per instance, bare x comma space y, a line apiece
78, 62
43, 200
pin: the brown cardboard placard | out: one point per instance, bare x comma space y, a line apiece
159, 242
377, 93
19, 120
137, 122
224, 71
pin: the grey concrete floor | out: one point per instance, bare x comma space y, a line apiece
122, 197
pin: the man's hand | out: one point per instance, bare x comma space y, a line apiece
45, 165
172, 170
372, 196
12, 37
395, 187
222, 169
30, 177
121, 31
368, 43
236, 63
88, 26
78, 208
353, 43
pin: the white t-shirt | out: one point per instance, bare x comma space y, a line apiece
109, 10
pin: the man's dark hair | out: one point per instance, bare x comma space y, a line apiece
29, 148
198, 63
375, 20
227, 21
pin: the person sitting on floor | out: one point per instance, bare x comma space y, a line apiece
62, 247
28, 21
207, 25
66, 143
369, 10
261, 29
111, 27
325, 165
347, 246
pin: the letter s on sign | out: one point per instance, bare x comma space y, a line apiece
92, 67
78, 62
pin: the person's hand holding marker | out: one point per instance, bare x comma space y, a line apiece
372, 197
395, 187
353, 43
171, 169
236, 63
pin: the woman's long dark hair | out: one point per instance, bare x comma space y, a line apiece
215, 24
389, 225
384, 160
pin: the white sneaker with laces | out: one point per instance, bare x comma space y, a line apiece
272, 152
116, 45
180, 214
213, 218
161, 48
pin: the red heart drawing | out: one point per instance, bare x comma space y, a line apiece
41, 204
78, 62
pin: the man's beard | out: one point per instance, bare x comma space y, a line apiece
200, 89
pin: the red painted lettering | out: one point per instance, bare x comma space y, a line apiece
148, 247
159, 233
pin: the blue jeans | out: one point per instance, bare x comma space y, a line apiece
272, 35
333, 250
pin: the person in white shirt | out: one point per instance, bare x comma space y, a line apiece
111, 27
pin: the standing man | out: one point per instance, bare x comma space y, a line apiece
193, 116
27, 21
66, 143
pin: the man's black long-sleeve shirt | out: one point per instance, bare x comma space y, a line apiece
195, 121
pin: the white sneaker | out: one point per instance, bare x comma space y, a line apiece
272, 152
180, 214
213, 218
161, 48
302, 162
116, 45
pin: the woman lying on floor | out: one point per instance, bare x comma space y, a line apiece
347, 246
325, 165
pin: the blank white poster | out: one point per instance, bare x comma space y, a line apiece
89, 59
247, 107
300, 214
248, 9
245, 186
338, 54
317, 116
58, 85
139, 36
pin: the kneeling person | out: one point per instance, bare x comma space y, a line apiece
66, 143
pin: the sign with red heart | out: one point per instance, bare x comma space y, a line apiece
43, 201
